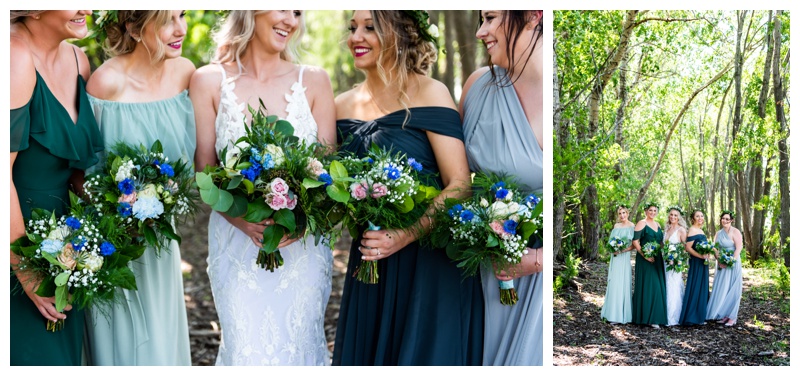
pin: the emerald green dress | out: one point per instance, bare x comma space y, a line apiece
49, 147
650, 285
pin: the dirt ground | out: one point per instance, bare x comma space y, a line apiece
581, 337
204, 331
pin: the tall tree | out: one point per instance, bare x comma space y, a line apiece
783, 151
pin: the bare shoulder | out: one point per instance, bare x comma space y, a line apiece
23, 72
474, 77
108, 80
207, 77
184, 67
640, 225
345, 103
317, 81
433, 93
84, 67
681, 230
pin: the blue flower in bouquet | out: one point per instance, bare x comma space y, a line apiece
326, 178
252, 172
267, 162
107, 249
124, 209
392, 172
467, 216
510, 226
51, 246
147, 207
498, 185
455, 210
414, 164
501, 193
532, 200
370, 160
167, 170
73, 223
126, 186
77, 246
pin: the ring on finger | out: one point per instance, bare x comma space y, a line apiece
379, 251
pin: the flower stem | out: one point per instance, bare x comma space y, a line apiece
54, 326
269, 261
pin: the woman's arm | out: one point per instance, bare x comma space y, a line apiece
323, 108
690, 247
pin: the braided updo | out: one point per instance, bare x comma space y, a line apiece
129, 25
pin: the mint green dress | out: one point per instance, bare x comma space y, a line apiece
149, 326
49, 147
617, 305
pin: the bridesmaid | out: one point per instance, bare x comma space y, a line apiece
140, 96
695, 301
501, 107
617, 304
727, 291
675, 234
422, 311
54, 138
649, 290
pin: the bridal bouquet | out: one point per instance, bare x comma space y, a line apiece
492, 226
704, 248
385, 192
616, 244
270, 173
675, 257
146, 190
79, 258
725, 256
650, 249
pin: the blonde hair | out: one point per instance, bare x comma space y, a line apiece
236, 32
19, 15
623, 208
120, 35
403, 49
681, 221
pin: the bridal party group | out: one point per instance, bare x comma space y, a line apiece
659, 294
73, 176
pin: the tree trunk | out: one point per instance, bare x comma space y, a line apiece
783, 151
559, 200
717, 175
762, 97
743, 196
436, 71
460, 20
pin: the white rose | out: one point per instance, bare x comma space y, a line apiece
499, 209
59, 233
124, 171
148, 191
484, 203
93, 262
277, 154
433, 30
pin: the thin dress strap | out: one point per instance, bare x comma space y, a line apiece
77, 64
300, 78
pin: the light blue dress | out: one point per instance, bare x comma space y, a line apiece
149, 327
499, 139
617, 305
726, 293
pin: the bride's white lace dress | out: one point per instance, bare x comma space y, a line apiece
675, 288
267, 318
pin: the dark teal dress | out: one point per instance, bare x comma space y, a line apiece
422, 311
695, 299
650, 284
49, 146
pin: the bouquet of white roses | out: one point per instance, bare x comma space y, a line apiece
79, 258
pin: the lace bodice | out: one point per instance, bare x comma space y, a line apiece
229, 123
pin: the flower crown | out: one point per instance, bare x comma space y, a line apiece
675, 207
427, 30
647, 205
103, 18
728, 212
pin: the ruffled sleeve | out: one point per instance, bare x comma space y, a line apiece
638, 234
78, 143
20, 127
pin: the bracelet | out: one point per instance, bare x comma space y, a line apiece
536, 257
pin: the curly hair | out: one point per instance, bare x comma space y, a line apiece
403, 49
120, 35
681, 220
19, 15
237, 30
513, 23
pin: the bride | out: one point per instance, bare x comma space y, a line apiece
267, 318
675, 234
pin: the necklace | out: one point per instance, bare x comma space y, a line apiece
380, 108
